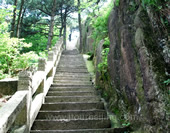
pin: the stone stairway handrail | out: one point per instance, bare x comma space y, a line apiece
21, 110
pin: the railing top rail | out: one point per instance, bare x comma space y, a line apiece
13, 107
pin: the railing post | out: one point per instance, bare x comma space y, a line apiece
25, 80
41, 64
25, 83
50, 56
55, 50
42, 67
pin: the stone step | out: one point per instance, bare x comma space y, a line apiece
70, 52
72, 106
70, 124
53, 99
71, 93
104, 130
73, 86
71, 83
73, 63
72, 114
71, 89
80, 57
72, 56
72, 70
72, 79
76, 59
71, 66
75, 74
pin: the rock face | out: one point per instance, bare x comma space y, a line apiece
98, 59
87, 37
138, 64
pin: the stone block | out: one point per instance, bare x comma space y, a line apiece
41, 64
25, 80
50, 56
9, 86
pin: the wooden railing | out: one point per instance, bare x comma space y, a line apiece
19, 113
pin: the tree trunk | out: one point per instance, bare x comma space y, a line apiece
80, 28
65, 28
19, 19
13, 19
61, 30
61, 15
64, 35
51, 28
20, 28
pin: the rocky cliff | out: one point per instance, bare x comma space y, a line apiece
138, 65
136, 84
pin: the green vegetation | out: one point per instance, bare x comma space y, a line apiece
167, 82
117, 2
100, 31
28, 29
11, 59
102, 67
156, 4
100, 25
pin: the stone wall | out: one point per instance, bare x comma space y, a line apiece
138, 64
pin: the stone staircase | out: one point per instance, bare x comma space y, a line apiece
72, 104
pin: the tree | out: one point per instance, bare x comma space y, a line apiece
14, 18
20, 17
50, 35
83, 6
80, 28
68, 8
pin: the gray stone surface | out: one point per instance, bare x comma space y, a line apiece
52, 99
137, 67
106, 130
70, 124
8, 87
98, 60
10, 111
42, 64
71, 95
72, 106
67, 88
73, 114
